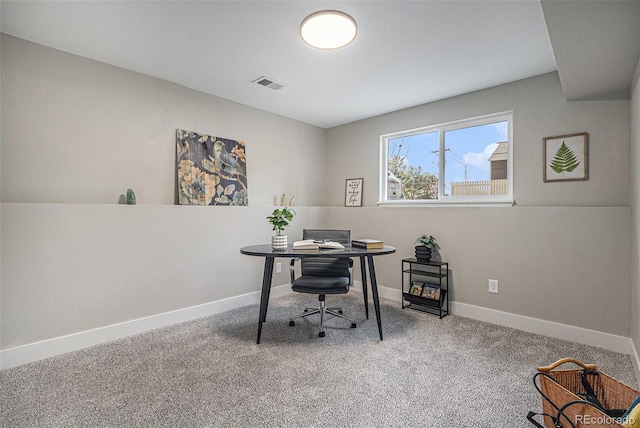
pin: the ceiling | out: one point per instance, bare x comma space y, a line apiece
406, 53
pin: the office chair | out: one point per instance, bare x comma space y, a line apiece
323, 275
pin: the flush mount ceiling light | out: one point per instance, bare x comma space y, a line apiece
328, 29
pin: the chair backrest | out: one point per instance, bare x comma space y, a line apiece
335, 235
325, 266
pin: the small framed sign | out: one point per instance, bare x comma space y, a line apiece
566, 157
353, 192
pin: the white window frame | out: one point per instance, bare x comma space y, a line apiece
443, 200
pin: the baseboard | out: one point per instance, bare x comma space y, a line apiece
607, 341
584, 336
384, 292
635, 359
60, 345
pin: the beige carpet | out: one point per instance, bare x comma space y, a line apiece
453, 372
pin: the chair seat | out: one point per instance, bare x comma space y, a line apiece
321, 284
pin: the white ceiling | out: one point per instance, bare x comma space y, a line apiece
406, 53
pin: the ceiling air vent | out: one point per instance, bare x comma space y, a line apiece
268, 82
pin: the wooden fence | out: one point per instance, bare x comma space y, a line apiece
486, 187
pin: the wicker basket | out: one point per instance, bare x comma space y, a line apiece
562, 396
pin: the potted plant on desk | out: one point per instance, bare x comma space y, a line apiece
424, 249
279, 220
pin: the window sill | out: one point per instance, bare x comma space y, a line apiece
444, 204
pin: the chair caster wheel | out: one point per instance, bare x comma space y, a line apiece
306, 310
292, 323
340, 311
321, 334
353, 325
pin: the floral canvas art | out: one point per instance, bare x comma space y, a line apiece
211, 170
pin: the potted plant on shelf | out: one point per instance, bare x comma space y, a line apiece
280, 219
424, 249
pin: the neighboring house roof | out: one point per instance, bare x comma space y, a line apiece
500, 153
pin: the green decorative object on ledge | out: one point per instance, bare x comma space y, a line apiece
131, 197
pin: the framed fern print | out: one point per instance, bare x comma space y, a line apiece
566, 157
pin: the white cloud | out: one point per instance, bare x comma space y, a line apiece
480, 160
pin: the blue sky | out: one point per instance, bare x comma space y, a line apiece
466, 149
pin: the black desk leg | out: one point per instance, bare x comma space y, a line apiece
264, 295
363, 274
374, 291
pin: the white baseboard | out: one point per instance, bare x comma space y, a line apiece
571, 333
384, 292
59, 345
635, 359
608, 341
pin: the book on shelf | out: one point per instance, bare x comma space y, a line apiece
367, 243
314, 244
431, 291
416, 288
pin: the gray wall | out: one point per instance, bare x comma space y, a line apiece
561, 254
75, 135
68, 268
539, 110
635, 208
79, 131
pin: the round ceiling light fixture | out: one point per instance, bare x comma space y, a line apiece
328, 29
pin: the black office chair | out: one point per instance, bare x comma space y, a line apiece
323, 275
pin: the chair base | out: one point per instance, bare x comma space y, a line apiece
322, 310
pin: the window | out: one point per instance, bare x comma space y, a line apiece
467, 161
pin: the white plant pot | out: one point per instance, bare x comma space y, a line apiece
279, 242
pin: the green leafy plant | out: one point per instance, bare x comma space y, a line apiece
428, 241
564, 160
416, 183
280, 219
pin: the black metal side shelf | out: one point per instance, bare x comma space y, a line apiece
425, 286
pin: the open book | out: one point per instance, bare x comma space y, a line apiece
313, 244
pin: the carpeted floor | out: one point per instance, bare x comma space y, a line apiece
453, 372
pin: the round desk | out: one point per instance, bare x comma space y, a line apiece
366, 260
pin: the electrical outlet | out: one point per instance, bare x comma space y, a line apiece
493, 286
278, 267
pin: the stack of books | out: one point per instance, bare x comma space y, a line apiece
367, 243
